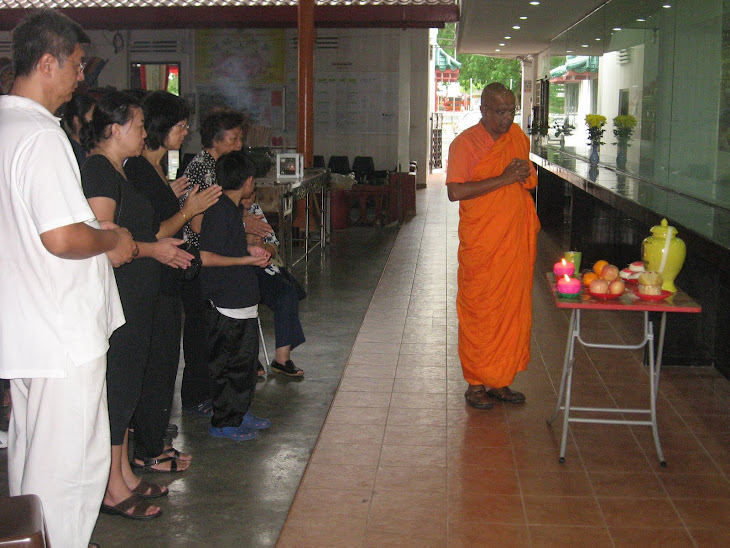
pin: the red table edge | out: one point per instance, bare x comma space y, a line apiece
667, 305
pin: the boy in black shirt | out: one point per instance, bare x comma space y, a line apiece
230, 287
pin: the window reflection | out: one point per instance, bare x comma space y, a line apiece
667, 67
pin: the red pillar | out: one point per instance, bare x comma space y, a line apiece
305, 102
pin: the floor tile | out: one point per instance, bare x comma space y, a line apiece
552, 510
551, 536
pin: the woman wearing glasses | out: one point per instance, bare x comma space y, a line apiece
165, 120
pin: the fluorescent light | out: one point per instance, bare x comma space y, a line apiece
616, 29
534, 3
598, 39
568, 51
508, 38
584, 45
667, 6
497, 49
516, 27
502, 44
523, 17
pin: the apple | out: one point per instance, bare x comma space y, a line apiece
599, 286
617, 287
609, 272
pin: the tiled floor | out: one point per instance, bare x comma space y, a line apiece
402, 461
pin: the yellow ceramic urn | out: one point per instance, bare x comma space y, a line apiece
663, 252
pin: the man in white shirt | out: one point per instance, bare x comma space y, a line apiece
59, 297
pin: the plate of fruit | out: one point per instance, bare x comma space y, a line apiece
603, 282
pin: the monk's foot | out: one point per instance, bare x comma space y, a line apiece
506, 395
476, 396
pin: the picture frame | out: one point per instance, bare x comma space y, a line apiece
289, 166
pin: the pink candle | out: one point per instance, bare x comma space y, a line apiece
569, 286
563, 268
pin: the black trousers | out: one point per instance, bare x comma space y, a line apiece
196, 386
233, 349
158, 387
280, 295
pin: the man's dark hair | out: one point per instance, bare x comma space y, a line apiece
114, 107
232, 170
162, 111
44, 31
217, 122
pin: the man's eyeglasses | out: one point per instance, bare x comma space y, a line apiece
183, 125
502, 112
80, 66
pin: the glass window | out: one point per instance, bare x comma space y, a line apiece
666, 64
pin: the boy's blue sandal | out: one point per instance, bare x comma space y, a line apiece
233, 432
252, 421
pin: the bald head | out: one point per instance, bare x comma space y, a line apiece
494, 90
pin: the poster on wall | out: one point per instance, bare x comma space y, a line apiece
240, 57
264, 104
359, 102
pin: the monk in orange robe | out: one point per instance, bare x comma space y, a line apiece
488, 174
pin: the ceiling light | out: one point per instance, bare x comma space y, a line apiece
598, 39
502, 44
667, 6
508, 38
497, 49
616, 29
641, 20
516, 27
534, 3
523, 17
568, 51
584, 45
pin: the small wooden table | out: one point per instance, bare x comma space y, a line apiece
629, 301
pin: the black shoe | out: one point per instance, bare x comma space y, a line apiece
288, 369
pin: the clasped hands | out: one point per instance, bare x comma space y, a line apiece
517, 170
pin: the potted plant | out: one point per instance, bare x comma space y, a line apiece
623, 129
595, 123
540, 130
563, 130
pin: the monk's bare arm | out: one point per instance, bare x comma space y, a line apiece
517, 170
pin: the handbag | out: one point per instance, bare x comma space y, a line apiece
191, 272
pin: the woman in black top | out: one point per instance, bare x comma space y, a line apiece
165, 119
76, 114
116, 132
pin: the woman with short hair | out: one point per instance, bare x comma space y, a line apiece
116, 132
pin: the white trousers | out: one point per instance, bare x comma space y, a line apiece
59, 448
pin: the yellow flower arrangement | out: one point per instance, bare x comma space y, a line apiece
595, 123
623, 128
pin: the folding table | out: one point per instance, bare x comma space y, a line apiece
629, 301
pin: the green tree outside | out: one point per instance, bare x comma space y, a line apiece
479, 69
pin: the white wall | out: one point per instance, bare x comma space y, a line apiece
358, 51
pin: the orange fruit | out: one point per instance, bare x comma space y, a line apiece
588, 277
598, 267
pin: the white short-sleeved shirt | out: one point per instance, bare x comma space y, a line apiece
50, 308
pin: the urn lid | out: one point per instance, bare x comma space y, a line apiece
663, 230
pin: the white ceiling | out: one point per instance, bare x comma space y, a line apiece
485, 23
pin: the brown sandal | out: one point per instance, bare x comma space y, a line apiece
148, 490
138, 506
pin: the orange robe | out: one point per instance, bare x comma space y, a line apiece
497, 247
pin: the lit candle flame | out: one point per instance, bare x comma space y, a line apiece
564, 263
567, 278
